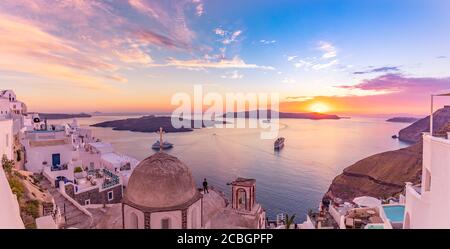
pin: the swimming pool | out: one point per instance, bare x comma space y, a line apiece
394, 213
374, 226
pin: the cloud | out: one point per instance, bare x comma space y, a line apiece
441, 57
236, 63
320, 66
303, 64
267, 42
134, 55
170, 14
288, 80
394, 83
228, 36
326, 60
234, 75
26, 48
219, 31
329, 51
199, 8
379, 70
151, 37
388, 94
299, 98
291, 58
232, 38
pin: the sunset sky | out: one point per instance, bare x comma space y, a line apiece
354, 57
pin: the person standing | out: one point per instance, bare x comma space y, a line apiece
205, 186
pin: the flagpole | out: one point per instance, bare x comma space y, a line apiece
431, 116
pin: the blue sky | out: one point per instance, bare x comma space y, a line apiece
142, 52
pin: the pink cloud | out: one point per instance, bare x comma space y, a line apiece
392, 83
169, 14
159, 40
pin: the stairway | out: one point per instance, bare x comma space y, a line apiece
74, 217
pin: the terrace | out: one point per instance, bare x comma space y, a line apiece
92, 179
322, 220
359, 218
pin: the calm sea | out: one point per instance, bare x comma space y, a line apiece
290, 181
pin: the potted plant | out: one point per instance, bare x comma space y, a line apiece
78, 172
289, 221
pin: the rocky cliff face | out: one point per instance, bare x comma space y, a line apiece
413, 133
380, 175
384, 175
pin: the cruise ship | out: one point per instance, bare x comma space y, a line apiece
279, 143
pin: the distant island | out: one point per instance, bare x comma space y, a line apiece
292, 115
149, 124
63, 116
402, 120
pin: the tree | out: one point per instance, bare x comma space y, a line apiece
7, 164
289, 221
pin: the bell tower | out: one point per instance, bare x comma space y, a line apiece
243, 194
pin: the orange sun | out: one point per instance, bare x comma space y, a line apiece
319, 108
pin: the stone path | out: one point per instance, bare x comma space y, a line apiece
74, 217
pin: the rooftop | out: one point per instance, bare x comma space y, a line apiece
118, 159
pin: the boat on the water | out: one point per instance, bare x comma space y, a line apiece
165, 145
279, 143
161, 144
266, 121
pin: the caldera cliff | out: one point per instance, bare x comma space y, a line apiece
384, 175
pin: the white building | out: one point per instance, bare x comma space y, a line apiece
427, 205
45, 148
12, 113
11, 108
6, 138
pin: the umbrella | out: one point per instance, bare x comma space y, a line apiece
367, 201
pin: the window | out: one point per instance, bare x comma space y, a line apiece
110, 195
165, 223
427, 180
87, 202
7, 140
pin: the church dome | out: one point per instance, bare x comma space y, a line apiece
160, 181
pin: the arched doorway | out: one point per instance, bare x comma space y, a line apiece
134, 221
241, 197
407, 223
194, 224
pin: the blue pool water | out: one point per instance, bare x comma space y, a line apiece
394, 213
372, 226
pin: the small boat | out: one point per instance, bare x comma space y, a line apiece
394, 136
161, 144
279, 143
165, 145
266, 121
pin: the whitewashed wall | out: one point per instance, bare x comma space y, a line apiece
6, 138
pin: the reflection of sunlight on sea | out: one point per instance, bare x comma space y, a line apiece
292, 180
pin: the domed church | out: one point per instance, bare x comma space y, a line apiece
162, 194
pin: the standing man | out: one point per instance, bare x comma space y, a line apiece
205, 186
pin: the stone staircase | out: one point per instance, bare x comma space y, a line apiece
74, 218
